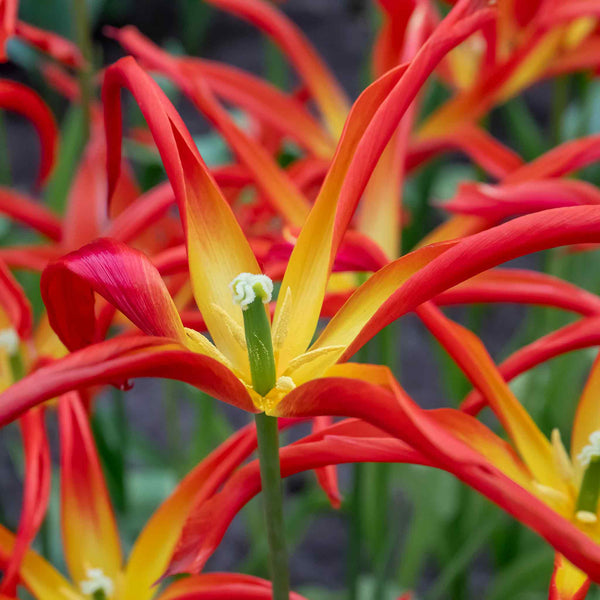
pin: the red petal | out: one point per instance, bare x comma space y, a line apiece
125, 277
14, 302
30, 212
582, 334
221, 586
325, 90
477, 253
59, 48
327, 476
36, 495
345, 442
23, 100
523, 287
117, 361
398, 415
89, 529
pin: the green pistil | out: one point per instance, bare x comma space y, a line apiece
260, 346
587, 501
99, 595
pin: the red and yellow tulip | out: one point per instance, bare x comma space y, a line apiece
91, 539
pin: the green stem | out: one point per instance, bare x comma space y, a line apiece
84, 41
357, 514
270, 475
355, 554
257, 329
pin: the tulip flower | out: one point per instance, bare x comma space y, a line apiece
205, 82
90, 535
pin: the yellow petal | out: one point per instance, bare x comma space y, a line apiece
535, 449
90, 534
41, 579
568, 582
360, 307
312, 257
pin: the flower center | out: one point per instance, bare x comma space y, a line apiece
251, 292
97, 585
587, 501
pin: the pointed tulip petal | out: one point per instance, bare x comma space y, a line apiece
89, 530
471, 356
568, 582
274, 183
313, 255
23, 100
27, 211
55, 46
123, 276
398, 415
154, 546
370, 125
344, 442
116, 362
39, 577
14, 304
582, 334
523, 287
221, 586
217, 248
462, 260
325, 90
495, 203
36, 495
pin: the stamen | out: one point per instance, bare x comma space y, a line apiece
285, 384
9, 341
561, 458
312, 355
237, 333
251, 292
246, 287
203, 346
586, 516
281, 325
97, 585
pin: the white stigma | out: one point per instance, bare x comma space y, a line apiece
592, 450
244, 292
97, 581
9, 341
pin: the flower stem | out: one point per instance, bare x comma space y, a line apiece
270, 474
251, 292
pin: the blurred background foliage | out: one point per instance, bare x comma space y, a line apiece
414, 528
